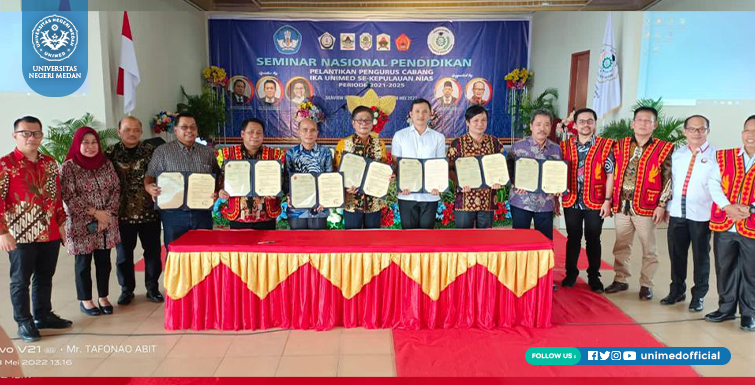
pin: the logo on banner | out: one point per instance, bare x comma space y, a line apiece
348, 41
55, 38
384, 42
365, 41
327, 41
403, 42
287, 40
440, 40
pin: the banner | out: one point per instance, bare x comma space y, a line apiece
274, 65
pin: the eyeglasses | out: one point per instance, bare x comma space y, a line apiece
184, 127
29, 134
644, 121
699, 130
586, 121
362, 121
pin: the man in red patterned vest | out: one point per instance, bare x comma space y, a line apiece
642, 186
591, 164
732, 220
252, 213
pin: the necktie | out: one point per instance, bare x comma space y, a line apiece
686, 183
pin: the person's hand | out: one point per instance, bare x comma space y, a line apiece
466, 189
435, 192
737, 212
224, 195
102, 216
62, 231
520, 191
605, 210
153, 190
319, 208
666, 217
214, 196
7, 242
352, 190
496, 186
405, 192
658, 215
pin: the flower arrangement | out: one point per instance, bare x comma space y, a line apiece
566, 127
215, 77
379, 119
382, 107
518, 78
308, 110
163, 122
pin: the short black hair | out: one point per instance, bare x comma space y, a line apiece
360, 109
26, 119
252, 120
448, 84
583, 110
239, 81
707, 122
541, 112
646, 109
270, 81
420, 101
128, 117
473, 111
184, 115
751, 117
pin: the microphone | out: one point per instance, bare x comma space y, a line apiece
369, 85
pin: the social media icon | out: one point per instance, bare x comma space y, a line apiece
615, 355
592, 355
604, 356
630, 356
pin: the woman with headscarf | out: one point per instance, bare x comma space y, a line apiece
91, 192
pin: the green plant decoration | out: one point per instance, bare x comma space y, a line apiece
669, 128
58, 138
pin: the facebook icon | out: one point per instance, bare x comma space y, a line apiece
592, 355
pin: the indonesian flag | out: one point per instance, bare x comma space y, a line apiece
128, 72
607, 87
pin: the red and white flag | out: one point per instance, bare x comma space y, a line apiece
128, 72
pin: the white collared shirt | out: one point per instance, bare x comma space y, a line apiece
408, 143
717, 192
699, 201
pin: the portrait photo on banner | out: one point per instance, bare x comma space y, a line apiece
241, 90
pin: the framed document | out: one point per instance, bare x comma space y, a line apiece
303, 191
199, 191
436, 175
495, 170
172, 190
267, 178
377, 180
468, 172
409, 175
527, 174
330, 190
237, 182
353, 167
553, 177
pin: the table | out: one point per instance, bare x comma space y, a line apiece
310, 279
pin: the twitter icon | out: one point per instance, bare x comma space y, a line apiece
604, 356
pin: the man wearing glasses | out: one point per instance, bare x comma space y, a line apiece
689, 210
31, 228
642, 186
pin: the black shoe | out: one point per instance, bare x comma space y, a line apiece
646, 293
717, 316
126, 298
747, 324
596, 285
616, 287
107, 310
155, 296
673, 298
696, 304
28, 332
95, 311
52, 321
569, 281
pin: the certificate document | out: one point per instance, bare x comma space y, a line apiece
495, 170
199, 191
171, 186
267, 178
330, 189
410, 175
352, 166
527, 174
468, 172
378, 179
303, 191
436, 174
237, 178
554, 177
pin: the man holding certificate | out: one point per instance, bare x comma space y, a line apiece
591, 163
418, 141
183, 155
473, 205
257, 213
642, 186
361, 210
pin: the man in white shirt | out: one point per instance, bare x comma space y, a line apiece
689, 210
418, 141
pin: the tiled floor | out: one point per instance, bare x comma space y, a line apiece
133, 341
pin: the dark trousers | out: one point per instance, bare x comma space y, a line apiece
83, 268
468, 219
308, 223
149, 234
735, 272
358, 220
32, 263
177, 222
589, 223
682, 232
417, 215
267, 225
521, 219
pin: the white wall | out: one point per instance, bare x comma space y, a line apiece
704, 5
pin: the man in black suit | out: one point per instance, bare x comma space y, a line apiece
238, 97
